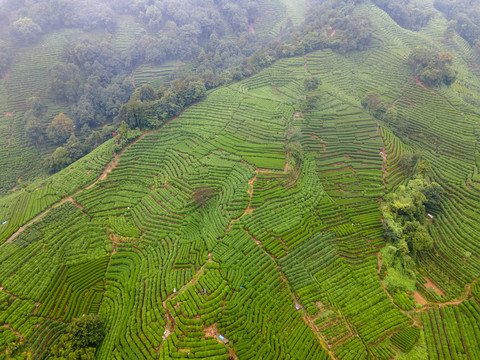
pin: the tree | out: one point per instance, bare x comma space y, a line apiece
82, 337
408, 160
132, 113
311, 83
58, 160
84, 113
374, 104
60, 128
404, 215
74, 148
433, 193
64, 81
35, 130
202, 195
431, 67
35, 104
146, 93
26, 29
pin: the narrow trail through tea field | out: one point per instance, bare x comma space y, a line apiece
107, 169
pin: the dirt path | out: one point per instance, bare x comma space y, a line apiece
287, 163
133, 77
248, 209
170, 318
419, 83
430, 284
305, 65
14, 235
108, 169
419, 298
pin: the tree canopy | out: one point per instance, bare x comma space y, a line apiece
82, 337
406, 13
60, 128
405, 217
465, 16
433, 68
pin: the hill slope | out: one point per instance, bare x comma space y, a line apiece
256, 217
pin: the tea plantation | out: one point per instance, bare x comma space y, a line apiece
280, 257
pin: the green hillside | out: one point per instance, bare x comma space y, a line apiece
252, 226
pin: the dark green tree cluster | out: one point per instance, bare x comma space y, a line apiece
192, 26
37, 17
91, 81
125, 136
379, 108
80, 340
149, 108
329, 24
465, 17
61, 131
406, 226
405, 215
432, 68
406, 13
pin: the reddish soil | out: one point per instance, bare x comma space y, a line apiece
251, 29
8, 114
70, 199
248, 210
41, 186
431, 285
470, 187
212, 331
379, 263
285, 169
333, 33
419, 299
89, 172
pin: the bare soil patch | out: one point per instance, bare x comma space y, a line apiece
431, 285
419, 299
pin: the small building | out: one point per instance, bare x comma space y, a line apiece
223, 338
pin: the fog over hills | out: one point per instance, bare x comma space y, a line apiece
254, 179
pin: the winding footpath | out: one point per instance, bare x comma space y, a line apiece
107, 169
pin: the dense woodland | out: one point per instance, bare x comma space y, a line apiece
465, 17
91, 79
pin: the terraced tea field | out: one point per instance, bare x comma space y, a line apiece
279, 257
155, 76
